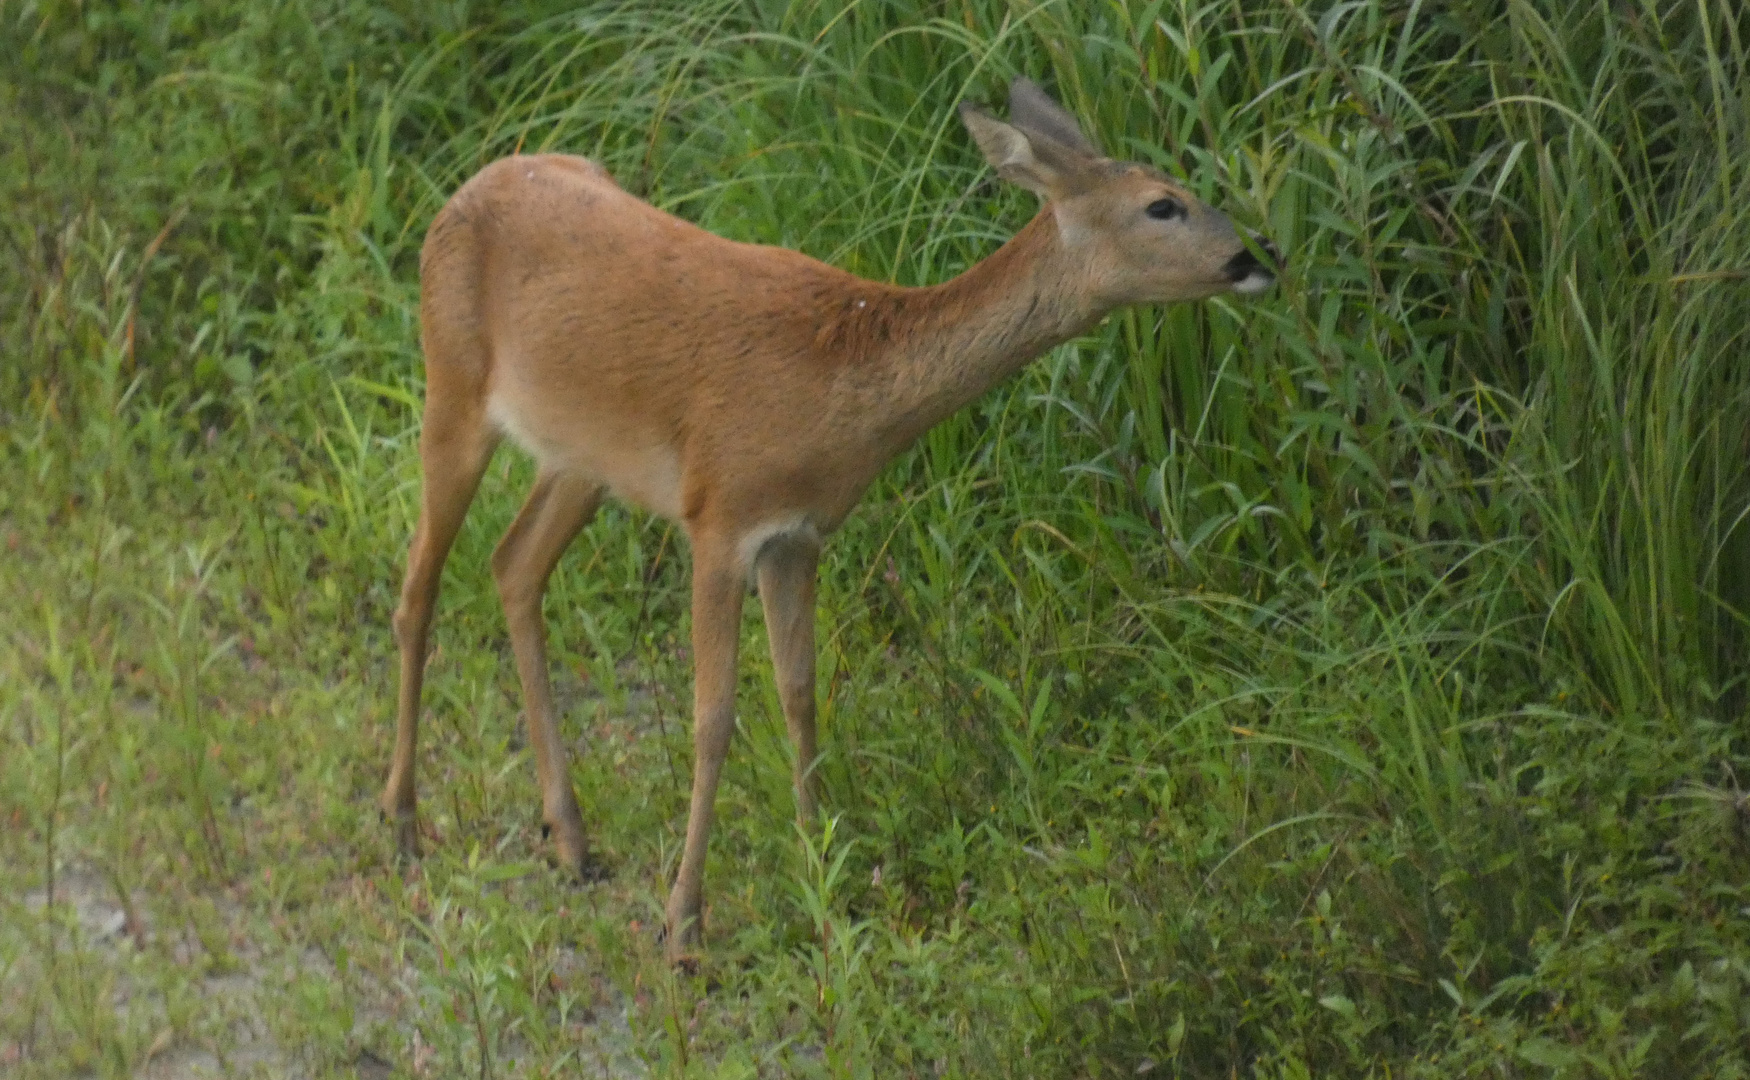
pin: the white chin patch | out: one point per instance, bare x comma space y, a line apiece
1254, 283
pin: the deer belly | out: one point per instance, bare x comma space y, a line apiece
637, 470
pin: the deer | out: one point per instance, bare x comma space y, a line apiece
747, 393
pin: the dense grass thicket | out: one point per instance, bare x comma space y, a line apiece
1350, 683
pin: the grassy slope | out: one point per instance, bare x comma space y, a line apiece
1347, 684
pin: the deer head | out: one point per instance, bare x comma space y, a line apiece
1136, 236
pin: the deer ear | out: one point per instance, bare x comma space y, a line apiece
1036, 163
1032, 110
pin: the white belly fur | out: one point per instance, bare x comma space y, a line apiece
646, 476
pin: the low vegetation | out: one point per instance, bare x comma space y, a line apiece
1350, 683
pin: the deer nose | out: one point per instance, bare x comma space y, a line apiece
1244, 264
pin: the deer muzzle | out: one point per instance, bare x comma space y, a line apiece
1248, 273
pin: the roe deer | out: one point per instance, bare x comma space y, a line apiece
749, 393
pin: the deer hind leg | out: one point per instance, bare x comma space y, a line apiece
787, 575
719, 584
455, 443
558, 508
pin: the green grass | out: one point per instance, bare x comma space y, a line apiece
1350, 683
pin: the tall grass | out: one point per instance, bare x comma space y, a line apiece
1349, 683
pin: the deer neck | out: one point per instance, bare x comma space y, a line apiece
950, 343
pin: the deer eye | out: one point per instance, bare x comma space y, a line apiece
1165, 209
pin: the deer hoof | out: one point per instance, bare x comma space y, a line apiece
406, 826
588, 868
571, 852
687, 965
680, 947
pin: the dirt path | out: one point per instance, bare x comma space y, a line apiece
226, 993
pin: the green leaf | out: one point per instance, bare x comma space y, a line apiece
1547, 1052
1339, 1004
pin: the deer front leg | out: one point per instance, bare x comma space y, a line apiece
718, 587
787, 575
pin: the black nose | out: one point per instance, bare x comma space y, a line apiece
1245, 262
